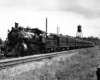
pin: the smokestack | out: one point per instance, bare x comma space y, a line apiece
16, 25
46, 27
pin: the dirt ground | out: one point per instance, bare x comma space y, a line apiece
80, 66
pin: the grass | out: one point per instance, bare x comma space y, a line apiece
79, 67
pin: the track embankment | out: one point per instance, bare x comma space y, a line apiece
62, 67
20, 60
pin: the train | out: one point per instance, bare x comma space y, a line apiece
29, 41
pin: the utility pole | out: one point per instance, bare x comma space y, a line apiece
46, 27
58, 30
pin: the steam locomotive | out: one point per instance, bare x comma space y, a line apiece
26, 41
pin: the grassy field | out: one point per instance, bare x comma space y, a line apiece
79, 67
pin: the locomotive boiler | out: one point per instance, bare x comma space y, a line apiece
24, 41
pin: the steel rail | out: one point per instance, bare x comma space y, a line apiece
14, 61
20, 60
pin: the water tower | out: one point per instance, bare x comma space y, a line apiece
79, 31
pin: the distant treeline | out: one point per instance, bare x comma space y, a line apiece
96, 40
1, 42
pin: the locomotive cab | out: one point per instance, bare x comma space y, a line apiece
41, 34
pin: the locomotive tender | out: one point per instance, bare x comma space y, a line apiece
26, 41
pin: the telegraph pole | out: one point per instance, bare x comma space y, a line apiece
58, 30
46, 27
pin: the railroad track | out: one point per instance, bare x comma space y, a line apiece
14, 61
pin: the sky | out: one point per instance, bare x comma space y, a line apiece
65, 14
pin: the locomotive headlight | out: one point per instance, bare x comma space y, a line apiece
24, 46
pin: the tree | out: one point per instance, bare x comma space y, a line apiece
1, 41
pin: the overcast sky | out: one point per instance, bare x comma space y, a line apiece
66, 14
